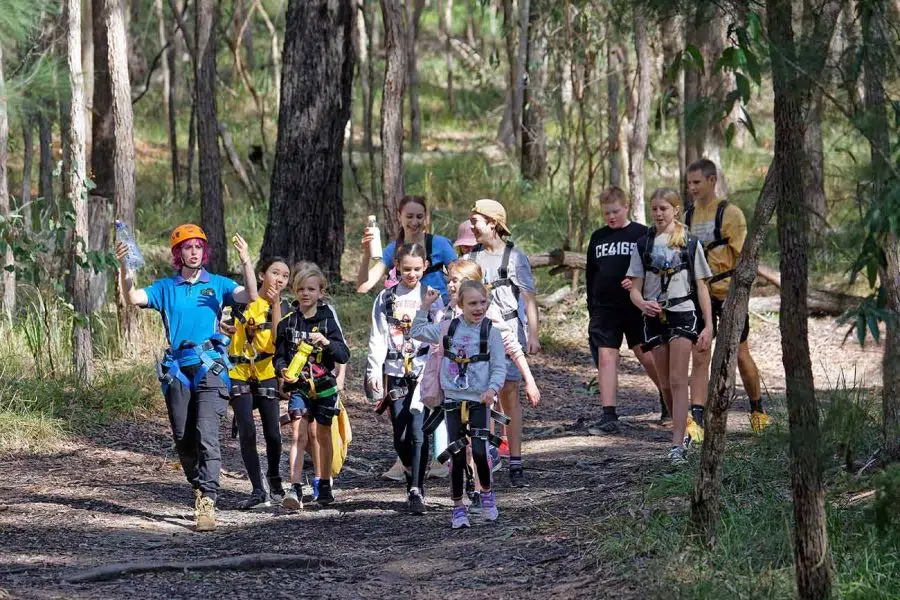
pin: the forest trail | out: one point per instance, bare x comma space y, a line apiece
120, 496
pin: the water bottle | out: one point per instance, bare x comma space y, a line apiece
134, 260
375, 244
299, 360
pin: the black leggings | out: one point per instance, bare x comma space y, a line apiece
478, 419
409, 439
269, 409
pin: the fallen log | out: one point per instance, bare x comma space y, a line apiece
558, 257
243, 562
551, 300
822, 303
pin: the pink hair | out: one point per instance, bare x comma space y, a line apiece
176, 254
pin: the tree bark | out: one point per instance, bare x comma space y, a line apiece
505, 133
315, 108
814, 565
392, 114
369, 19
875, 59
614, 66
166, 38
113, 163
518, 96
413, 14
87, 69
364, 61
8, 304
637, 144
45, 163
673, 47
534, 137
212, 210
446, 17
74, 186
27, 165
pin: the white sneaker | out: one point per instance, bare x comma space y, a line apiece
396, 472
438, 470
677, 455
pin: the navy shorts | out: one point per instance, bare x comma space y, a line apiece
323, 410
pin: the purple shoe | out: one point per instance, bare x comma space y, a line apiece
489, 510
460, 518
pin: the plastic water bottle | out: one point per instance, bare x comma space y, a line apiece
134, 260
375, 244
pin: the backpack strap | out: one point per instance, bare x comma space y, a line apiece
718, 238
433, 267
689, 217
483, 340
503, 278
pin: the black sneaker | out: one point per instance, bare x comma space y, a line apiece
517, 478
326, 495
608, 423
258, 499
663, 411
414, 503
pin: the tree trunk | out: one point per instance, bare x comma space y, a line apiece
673, 47
212, 210
87, 69
168, 90
413, 14
113, 164
875, 60
45, 166
814, 565
534, 137
518, 96
369, 19
392, 114
637, 144
315, 108
506, 134
446, 17
74, 186
614, 66
364, 60
470, 24
8, 304
27, 165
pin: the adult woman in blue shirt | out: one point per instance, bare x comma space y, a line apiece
194, 369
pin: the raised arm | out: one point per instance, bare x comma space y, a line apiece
134, 296
247, 293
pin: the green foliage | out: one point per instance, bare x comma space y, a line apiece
887, 499
850, 421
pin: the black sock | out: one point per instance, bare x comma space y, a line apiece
298, 488
757, 406
697, 413
609, 410
515, 462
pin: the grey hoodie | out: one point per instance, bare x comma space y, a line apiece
482, 375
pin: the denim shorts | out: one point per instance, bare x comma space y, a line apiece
512, 371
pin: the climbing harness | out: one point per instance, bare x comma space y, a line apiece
718, 239
667, 268
213, 355
462, 361
503, 278
407, 352
429, 247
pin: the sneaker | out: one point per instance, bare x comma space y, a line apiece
276, 493
438, 470
504, 449
475, 506
206, 514
608, 423
759, 421
517, 478
324, 493
459, 518
489, 510
496, 461
258, 499
693, 433
677, 455
396, 472
315, 489
414, 503
292, 501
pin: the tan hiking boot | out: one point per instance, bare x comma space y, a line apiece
206, 515
197, 495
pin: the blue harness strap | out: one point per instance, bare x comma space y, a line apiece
210, 353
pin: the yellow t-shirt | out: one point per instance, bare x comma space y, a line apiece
723, 258
257, 318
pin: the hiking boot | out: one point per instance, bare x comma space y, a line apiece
496, 461
759, 421
438, 470
677, 455
396, 472
459, 519
693, 433
608, 423
258, 499
414, 503
475, 506
325, 495
292, 501
516, 478
197, 495
489, 510
206, 515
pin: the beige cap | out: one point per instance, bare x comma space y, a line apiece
492, 210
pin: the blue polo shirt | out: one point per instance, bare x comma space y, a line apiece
441, 252
190, 311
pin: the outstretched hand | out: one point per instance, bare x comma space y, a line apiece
431, 296
240, 244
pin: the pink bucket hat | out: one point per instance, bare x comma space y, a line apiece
466, 235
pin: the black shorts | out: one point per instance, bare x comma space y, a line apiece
607, 329
683, 324
717, 306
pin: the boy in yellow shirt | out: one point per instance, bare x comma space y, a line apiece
722, 228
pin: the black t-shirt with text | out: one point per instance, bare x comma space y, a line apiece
608, 256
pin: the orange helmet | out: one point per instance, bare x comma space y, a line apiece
186, 232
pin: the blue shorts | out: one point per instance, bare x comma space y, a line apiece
512, 371
323, 410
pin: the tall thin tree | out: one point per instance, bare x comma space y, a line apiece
637, 143
392, 113
8, 304
534, 137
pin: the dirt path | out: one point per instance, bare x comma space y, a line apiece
120, 496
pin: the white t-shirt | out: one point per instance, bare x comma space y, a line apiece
676, 285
